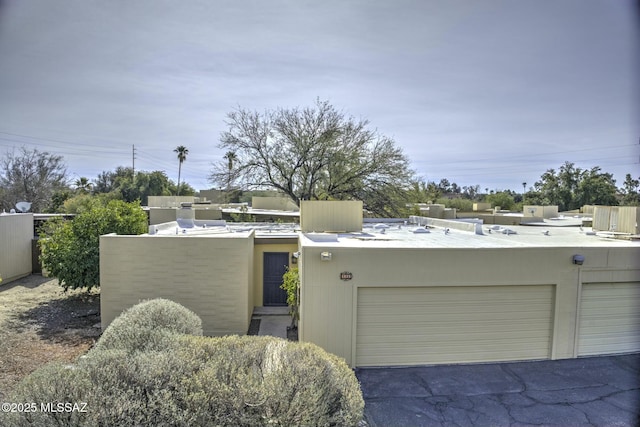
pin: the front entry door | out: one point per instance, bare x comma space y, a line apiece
275, 265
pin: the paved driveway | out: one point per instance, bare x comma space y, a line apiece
595, 391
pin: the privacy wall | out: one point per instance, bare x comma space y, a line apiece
16, 234
212, 276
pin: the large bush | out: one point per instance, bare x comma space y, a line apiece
150, 325
70, 250
193, 380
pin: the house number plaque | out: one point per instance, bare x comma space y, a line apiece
346, 275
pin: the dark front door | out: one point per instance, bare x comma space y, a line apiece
275, 265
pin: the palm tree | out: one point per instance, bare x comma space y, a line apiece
83, 186
524, 190
231, 157
182, 156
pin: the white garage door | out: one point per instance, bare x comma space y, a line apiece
609, 318
412, 326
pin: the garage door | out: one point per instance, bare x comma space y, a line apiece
609, 318
412, 326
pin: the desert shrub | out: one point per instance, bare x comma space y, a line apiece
249, 381
137, 389
119, 389
50, 384
193, 380
149, 326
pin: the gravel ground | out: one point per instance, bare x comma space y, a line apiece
40, 323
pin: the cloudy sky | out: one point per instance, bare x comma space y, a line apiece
490, 92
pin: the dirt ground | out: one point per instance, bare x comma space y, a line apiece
40, 323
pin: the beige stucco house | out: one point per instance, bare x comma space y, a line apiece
425, 291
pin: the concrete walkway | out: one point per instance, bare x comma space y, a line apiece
595, 391
273, 320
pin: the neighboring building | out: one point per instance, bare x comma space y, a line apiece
427, 291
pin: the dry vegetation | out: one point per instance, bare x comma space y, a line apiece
40, 323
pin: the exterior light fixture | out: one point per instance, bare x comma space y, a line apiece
325, 256
578, 259
294, 257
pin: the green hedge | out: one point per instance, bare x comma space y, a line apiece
193, 380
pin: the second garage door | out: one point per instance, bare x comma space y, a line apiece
430, 325
609, 318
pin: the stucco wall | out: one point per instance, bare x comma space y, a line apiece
213, 276
274, 203
215, 196
208, 213
161, 215
540, 211
16, 234
169, 201
330, 216
328, 304
622, 219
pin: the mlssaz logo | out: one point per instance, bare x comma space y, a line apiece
63, 407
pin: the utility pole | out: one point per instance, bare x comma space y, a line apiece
133, 158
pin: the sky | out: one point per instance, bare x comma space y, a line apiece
490, 93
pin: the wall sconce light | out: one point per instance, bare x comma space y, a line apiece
294, 257
578, 259
325, 256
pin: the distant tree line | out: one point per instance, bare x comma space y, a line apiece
41, 178
319, 153
315, 153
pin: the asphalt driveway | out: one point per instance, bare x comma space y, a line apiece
594, 391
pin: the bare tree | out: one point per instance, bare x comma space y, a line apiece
32, 176
314, 153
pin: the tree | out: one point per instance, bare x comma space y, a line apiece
71, 249
58, 199
595, 188
423, 192
104, 183
230, 157
182, 156
444, 186
630, 195
129, 188
315, 153
501, 198
571, 188
83, 186
470, 192
32, 176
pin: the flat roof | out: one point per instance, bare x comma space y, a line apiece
493, 236
219, 228
400, 234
